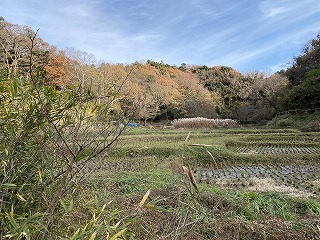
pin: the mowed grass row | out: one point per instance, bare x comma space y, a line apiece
277, 144
277, 149
222, 144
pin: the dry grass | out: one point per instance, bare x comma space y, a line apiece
269, 185
271, 229
204, 123
266, 185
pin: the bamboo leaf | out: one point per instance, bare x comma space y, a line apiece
75, 235
8, 185
116, 225
93, 236
143, 200
40, 176
212, 157
12, 210
20, 197
185, 170
118, 234
192, 179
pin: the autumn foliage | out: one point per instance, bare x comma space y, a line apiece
58, 69
165, 91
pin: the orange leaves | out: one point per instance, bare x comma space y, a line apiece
156, 88
58, 69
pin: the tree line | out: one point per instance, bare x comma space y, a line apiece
168, 92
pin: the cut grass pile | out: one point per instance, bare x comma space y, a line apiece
200, 122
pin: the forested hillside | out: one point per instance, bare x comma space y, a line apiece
168, 92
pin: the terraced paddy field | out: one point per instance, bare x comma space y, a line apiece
253, 183
303, 177
229, 157
277, 149
278, 144
289, 159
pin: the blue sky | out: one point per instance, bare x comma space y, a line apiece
246, 35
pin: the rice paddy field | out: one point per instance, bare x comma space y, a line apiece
249, 183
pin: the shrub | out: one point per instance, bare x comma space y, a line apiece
286, 123
48, 136
312, 126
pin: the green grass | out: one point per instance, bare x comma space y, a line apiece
304, 122
252, 206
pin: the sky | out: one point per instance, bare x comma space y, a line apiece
247, 35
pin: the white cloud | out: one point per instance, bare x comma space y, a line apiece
76, 11
288, 10
273, 12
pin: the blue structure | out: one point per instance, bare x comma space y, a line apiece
132, 124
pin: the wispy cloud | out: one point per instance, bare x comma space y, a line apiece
244, 35
76, 11
287, 10
273, 12
272, 52
277, 8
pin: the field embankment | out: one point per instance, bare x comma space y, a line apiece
304, 122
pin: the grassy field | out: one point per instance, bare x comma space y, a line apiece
253, 184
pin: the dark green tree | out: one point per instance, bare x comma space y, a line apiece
308, 60
304, 78
306, 94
